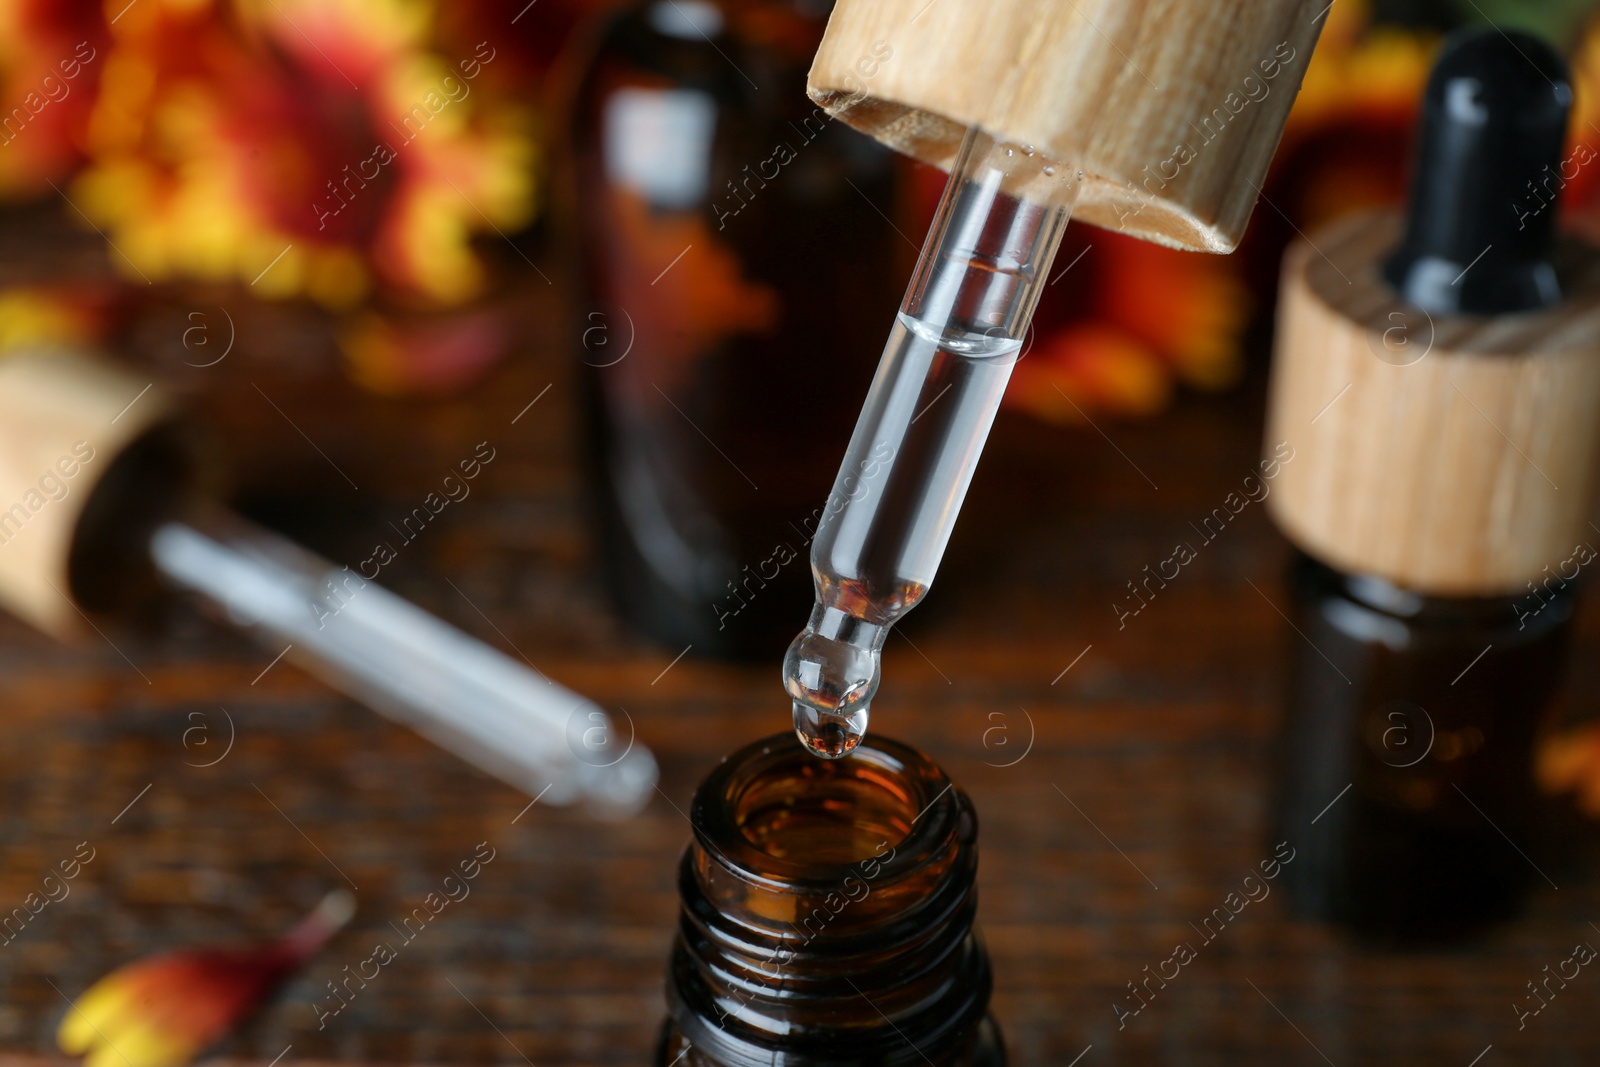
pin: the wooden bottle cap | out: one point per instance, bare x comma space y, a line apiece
1450, 455
65, 420
1172, 109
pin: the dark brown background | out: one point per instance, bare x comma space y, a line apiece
1160, 734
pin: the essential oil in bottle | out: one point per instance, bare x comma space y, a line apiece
827, 916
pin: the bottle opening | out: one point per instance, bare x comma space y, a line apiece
826, 813
775, 816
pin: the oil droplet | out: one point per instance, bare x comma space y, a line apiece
831, 675
829, 736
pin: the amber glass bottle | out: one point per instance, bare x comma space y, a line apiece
828, 916
739, 267
1408, 750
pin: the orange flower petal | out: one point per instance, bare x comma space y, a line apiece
162, 1011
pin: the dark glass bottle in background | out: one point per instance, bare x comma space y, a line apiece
1415, 699
1408, 751
827, 916
739, 272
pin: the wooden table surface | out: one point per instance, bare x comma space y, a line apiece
1160, 734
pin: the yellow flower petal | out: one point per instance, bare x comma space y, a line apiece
144, 1043
101, 1008
30, 317
140, 1051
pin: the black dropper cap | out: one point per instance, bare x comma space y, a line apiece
1482, 216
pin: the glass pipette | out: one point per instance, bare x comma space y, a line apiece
458, 692
944, 370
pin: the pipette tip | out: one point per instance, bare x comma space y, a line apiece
831, 675
829, 736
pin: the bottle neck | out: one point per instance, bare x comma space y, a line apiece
828, 912
1545, 602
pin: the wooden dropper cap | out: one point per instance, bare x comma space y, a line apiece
89, 456
1172, 109
1437, 377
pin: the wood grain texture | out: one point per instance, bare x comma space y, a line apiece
1453, 455
1151, 756
1171, 108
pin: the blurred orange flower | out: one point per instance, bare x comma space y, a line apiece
394, 356
51, 58
163, 1011
300, 148
1137, 320
1155, 317
348, 152
54, 316
1583, 189
1570, 763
